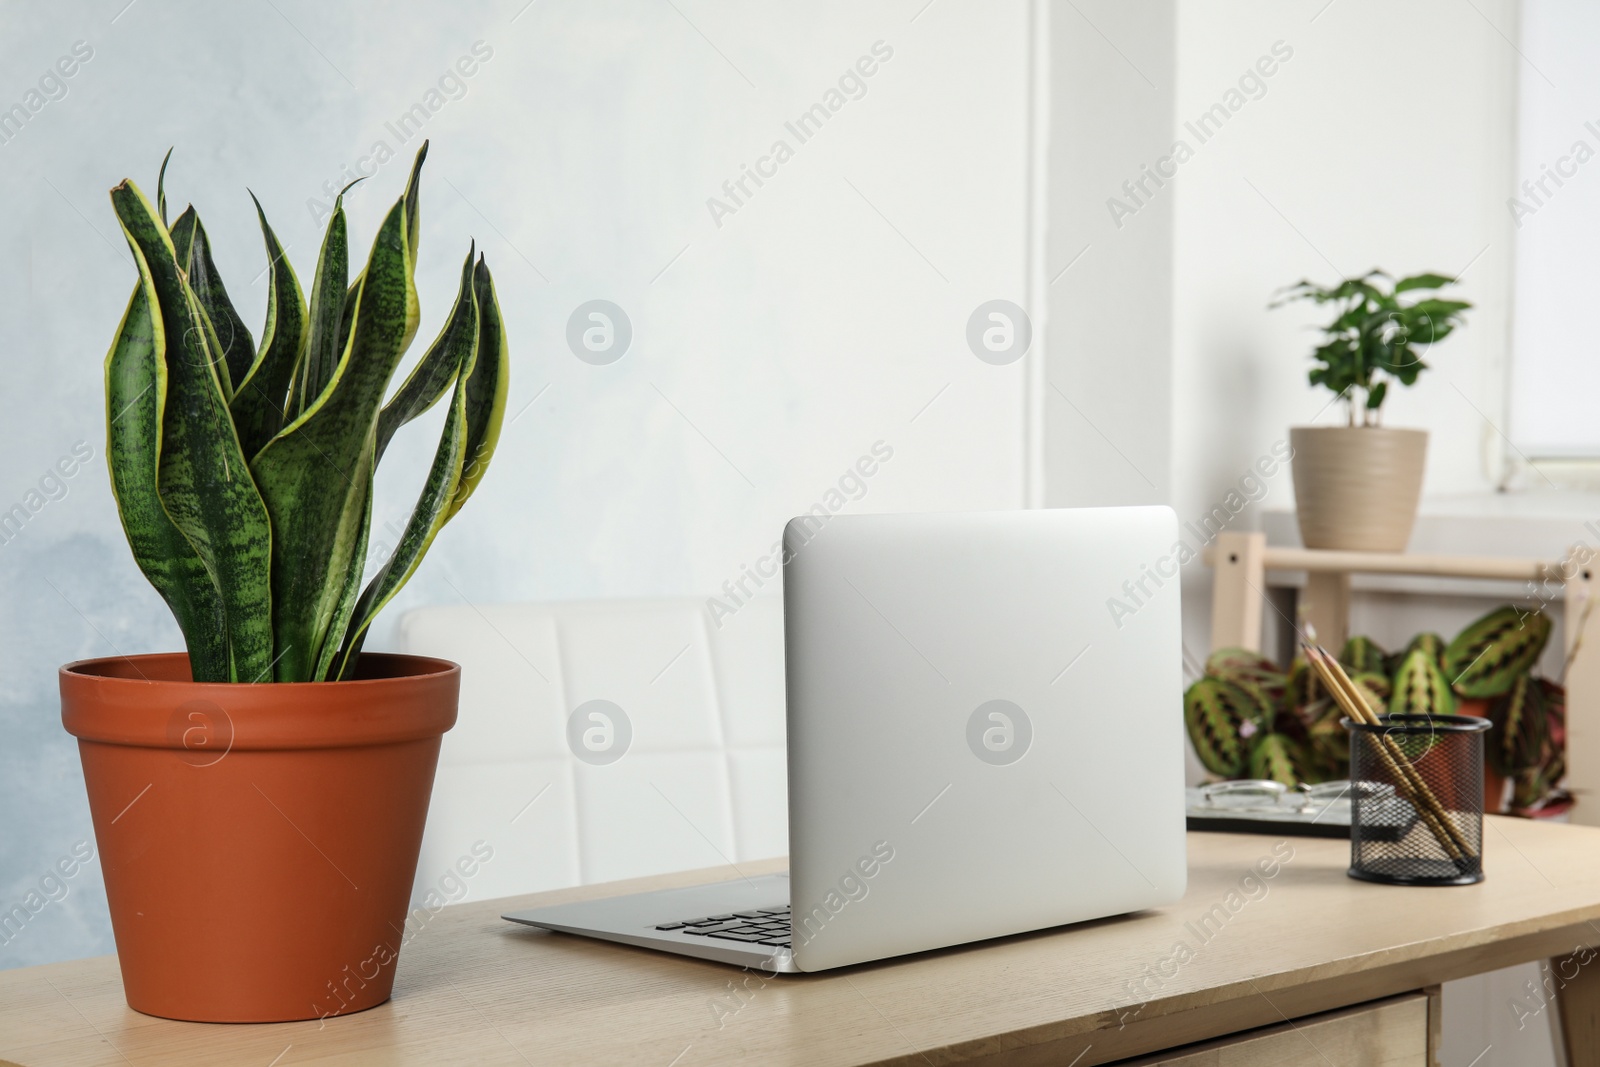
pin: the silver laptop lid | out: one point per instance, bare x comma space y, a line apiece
984, 725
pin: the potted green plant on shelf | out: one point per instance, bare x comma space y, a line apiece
258, 801
1357, 486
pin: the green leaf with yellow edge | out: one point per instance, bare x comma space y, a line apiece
349, 586
414, 202
427, 519
161, 187
430, 379
182, 234
202, 478
465, 447
259, 405
324, 346
136, 393
243, 473
315, 474
487, 387
238, 349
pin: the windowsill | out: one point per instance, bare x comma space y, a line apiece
1534, 505
1540, 524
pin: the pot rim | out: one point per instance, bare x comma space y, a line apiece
1419, 724
83, 668
411, 698
1359, 429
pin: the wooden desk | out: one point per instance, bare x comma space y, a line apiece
475, 990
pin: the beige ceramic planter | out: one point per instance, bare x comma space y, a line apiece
1357, 487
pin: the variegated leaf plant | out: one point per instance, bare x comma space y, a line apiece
243, 472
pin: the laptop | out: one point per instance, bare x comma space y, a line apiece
985, 737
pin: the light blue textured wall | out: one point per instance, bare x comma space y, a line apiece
769, 351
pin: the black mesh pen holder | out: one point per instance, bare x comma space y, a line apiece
1416, 799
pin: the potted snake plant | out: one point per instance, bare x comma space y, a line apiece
258, 800
1358, 486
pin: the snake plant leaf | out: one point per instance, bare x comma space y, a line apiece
203, 479
414, 202
136, 393
314, 474
243, 474
182, 234
466, 445
323, 348
347, 314
349, 585
161, 187
259, 405
238, 349
439, 366
427, 519
487, 387
183, 239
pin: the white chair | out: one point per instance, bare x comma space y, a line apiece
700, 782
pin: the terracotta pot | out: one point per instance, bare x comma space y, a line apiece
1357, 487
258, 841
1494, 783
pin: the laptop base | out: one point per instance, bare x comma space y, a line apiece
634, 920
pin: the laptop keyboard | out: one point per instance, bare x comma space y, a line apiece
759, 926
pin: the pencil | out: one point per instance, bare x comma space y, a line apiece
1408, 780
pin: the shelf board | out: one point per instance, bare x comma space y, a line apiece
1282, 558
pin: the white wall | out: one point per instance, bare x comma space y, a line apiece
770, 352
1383, 141
1347, 146
1556, 219
1108, 392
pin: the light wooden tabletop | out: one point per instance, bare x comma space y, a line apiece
473, 989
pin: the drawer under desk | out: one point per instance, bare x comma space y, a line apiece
1397, 1032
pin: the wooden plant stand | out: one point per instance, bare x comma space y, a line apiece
1239, 598
1239, 595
